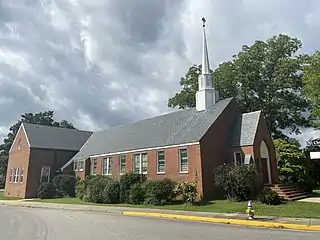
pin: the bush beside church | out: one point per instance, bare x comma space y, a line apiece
130, 189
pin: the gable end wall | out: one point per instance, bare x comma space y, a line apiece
18, 159
215, 148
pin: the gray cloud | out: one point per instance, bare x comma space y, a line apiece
101, 63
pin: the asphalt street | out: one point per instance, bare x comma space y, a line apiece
42, 224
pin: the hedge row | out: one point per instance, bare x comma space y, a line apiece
133, 189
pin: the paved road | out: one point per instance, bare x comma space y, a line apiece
42, 224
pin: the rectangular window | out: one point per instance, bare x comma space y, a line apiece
10, 175
80, 165
122, 164
160, 162
21, 175
107, 166
140, 163
94, 166
75, 166
238, 159
45, 174
16, 175
183, 159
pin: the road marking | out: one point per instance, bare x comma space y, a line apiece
251, 223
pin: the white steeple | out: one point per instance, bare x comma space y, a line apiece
206, 96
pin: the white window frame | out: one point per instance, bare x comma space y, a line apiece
140, 167
77, 164
16, 175
21, 178
10, 175
235, 158
42, 173
94, 160
163, 160
121, 158
180, 160
81, 163
106, 166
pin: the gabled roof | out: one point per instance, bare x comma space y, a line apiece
244, 129
47, 137
180, 127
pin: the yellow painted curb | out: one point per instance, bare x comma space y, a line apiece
251, 223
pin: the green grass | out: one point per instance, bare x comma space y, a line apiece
290, 209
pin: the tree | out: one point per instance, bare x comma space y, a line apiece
311, 83
42, 118
265, 76
294, 165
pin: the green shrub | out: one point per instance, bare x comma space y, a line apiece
188, 192
65, 185
111, 192
80, 189
46, 191
137, 193
238, 182
270, 197
94, 191
159, 192
127, 180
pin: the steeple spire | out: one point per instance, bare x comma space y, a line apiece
206, 96
205, 57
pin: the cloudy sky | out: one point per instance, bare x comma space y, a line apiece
100, 63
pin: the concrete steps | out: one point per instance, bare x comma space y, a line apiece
288, 192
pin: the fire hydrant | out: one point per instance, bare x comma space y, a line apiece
250, 210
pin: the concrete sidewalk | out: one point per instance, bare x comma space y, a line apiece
237, 219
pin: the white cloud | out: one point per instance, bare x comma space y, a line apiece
101, 63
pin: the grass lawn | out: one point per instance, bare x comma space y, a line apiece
290, 209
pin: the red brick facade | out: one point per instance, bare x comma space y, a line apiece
31, 161
202, 159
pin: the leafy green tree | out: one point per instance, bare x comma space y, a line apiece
294, 165
264, 76
42, 118
311, 83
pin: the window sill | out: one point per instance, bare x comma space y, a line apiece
161, 173
81, 170
184, 172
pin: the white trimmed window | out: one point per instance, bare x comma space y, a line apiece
21, 175
122, 164
140, 163
75, 166
78, 165
16, 175
161, 163
94, 166
107, 166
238, 158
11, 175
183, 160
45, 174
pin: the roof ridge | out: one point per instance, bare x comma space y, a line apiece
54, 127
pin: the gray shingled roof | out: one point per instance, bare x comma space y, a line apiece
47, 137
245, 128
183, 126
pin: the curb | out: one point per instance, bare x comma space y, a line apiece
94, 209
248, 223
